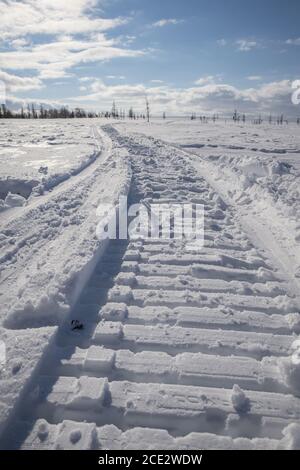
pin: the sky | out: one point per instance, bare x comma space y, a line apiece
203, 56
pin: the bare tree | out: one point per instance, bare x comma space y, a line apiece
130, 113
235, 116
34, 115
114, 110
147, 109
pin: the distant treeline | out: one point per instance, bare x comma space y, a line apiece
32, 112
237, 118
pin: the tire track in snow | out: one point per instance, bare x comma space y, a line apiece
167, 337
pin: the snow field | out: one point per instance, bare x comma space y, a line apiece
48, 251
255, 168
178, 350
36, 156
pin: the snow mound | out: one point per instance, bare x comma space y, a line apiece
254, 169
257, 169
49, 309
293, 320
3, 206
290, 369
291, 440
240, 401
14, 200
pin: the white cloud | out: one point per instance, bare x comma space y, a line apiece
53, 72
206, 80
86, 79
245, 45
293, 42
51, 17
115, 77
52, 60
254, 78
157, 81
222, 42
14, 102
15, 84
164, 22
97, 86
17, 43
64, 21
210, 98
275, 90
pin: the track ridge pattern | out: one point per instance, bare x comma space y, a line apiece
179, 350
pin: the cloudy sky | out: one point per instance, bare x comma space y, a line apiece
186, 55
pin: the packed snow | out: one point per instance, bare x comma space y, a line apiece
36, 156
145, 343
256, 166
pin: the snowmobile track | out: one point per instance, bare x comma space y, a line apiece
168, 335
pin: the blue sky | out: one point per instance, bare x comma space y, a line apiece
186, 55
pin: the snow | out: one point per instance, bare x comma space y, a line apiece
48, 251
177, 349
291, 439
109, 437
64, 222
256, 166
35, 156
114, 311
290, 369
108, 332
23, 350
239, 400
12, 200
99, 359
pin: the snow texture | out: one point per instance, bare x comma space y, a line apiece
145, 343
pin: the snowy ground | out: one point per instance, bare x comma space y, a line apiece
255, 167
36, 155
178, 350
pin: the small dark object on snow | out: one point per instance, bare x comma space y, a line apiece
76, 325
